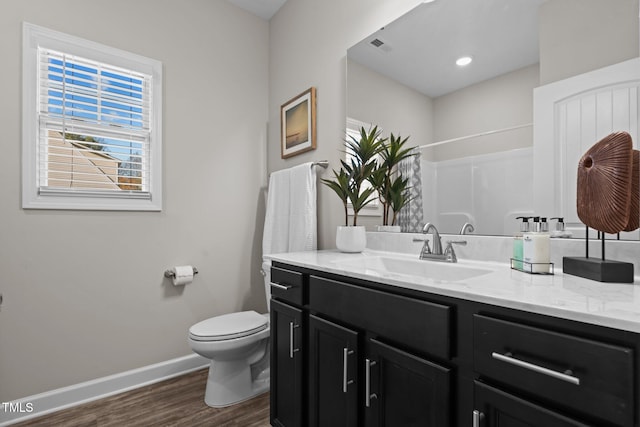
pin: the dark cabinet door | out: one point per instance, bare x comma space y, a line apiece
496, 408
333, 374
287, 355
402, 389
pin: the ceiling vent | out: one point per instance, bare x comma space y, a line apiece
380, 45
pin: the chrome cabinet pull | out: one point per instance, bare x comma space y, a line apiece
282, 287
564, 376
292, 348
477, 418
345, 381
367, 383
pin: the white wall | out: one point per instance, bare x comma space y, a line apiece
308, 46
84, 292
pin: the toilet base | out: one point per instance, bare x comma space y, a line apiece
230, 382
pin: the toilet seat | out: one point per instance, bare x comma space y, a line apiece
228, 326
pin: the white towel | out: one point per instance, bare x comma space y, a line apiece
275, 238
302, 208
291, 220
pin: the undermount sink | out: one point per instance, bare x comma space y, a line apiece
438, 271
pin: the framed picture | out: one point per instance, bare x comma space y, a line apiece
298, 124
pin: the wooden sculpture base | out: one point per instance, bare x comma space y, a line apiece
608, 271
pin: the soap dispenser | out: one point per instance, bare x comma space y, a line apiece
544, 225
517, 242
535, 247
560, 230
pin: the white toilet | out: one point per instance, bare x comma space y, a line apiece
238, 346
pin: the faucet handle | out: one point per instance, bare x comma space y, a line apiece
426, 250
450, 253
467, 228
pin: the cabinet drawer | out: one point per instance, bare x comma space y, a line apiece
588, 376
503, 409
287, 285
421, 325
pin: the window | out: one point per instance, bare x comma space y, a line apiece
353, 132
91, 125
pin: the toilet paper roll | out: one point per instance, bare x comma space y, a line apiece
183, 274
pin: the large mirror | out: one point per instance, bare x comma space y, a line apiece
473, 124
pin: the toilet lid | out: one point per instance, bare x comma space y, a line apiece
228, 326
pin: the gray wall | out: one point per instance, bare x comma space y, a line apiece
498, 103
308, 45
84, 292
577, 36
394, 107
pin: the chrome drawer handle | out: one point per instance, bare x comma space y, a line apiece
367, 381
477, 418
345, 381
283, 287
292, 348
507, 357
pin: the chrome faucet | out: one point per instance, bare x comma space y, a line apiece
449, 255
437, 243
467, 228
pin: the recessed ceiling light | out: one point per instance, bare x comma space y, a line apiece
463, 61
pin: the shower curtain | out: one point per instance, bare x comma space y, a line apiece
410, 218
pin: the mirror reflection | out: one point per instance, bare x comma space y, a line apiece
473, 124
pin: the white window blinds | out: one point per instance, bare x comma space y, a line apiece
353, 133
91, 125
94, 127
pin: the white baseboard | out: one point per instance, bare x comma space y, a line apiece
66, 397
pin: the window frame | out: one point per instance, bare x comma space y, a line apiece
374, 208
35, 37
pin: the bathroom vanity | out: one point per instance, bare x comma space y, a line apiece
364, 340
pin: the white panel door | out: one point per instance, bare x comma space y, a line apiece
569, 117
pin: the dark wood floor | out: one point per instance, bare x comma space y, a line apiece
175, 402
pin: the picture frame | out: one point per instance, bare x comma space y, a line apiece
298, 124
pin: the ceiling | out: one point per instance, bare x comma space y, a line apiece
420, 48
262, 8
500, 35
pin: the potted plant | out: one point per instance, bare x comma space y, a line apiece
392, 187
348, 185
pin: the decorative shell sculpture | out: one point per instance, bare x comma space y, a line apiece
605, 173
634, 206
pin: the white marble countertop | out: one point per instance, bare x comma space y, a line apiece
560, 295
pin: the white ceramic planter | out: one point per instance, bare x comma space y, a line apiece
351, 239
389, 228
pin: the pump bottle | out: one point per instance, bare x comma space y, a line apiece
517, 242
535, 247
560, 230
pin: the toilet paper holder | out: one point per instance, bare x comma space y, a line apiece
171, 274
